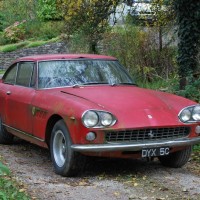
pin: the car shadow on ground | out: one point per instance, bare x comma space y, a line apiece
94, 166
113, 167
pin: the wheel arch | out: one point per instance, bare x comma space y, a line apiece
49, 127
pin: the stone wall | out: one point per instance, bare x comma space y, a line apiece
52, 48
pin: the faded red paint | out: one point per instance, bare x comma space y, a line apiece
29, 110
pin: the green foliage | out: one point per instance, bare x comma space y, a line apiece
2, 71
47, 10
49, 30
15, 32
4, 170
9, 48
191, 90
1, 22
3, 40
188, 18
138, 51
36, 44
88, 17
14, 10
197, 148
9, 190
196, 153
163, 12
44, 30
13, 47
77, 42
26, 44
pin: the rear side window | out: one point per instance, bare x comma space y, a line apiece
25, 73
10, 76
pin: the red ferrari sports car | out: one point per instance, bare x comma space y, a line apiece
80, 105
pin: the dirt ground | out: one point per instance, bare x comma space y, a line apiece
103, 179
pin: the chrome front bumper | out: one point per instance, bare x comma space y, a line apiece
135, 146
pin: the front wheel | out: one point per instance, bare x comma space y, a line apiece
176, 159
5, 136
66, 162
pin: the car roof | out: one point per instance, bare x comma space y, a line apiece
64, 56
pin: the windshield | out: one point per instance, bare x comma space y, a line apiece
81, 72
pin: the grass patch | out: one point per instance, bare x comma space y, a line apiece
25, 44
2, 71
13, 47
9, 189
41, 42
197, 148
168, 85
36, 44
8, 48
196, 153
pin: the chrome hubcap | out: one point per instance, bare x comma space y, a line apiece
59, 148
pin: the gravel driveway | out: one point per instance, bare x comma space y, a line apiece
103, 179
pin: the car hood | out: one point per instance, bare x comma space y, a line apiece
133, 105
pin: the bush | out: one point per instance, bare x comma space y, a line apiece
192, 90
1, 22
3, 40
15, 32
138, 50
77, 43
43, 30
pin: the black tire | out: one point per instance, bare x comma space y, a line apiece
66, 162
176, 159
5, 136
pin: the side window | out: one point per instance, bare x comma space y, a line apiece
25, 73
10, 75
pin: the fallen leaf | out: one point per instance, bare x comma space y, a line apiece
117, 194
22, 190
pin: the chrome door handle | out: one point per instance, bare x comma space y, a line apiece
8, 92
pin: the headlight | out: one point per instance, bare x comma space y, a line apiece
185, 115
98, 119
196, 113
190, 114
90, 119
106, 119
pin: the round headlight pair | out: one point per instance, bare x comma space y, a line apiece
98, 119
190, 114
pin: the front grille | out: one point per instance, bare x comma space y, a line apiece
141, 135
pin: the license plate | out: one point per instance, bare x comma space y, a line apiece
152, 152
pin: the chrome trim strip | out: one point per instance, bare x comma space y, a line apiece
135, 146
24, 133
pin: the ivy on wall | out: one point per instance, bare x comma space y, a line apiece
188, 20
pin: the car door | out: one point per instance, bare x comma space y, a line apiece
19, 91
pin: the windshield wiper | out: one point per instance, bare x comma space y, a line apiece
101, 83
89, 83
115, 84
94, 83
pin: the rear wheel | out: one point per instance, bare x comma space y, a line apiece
66, 162
5, 136
176, 159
